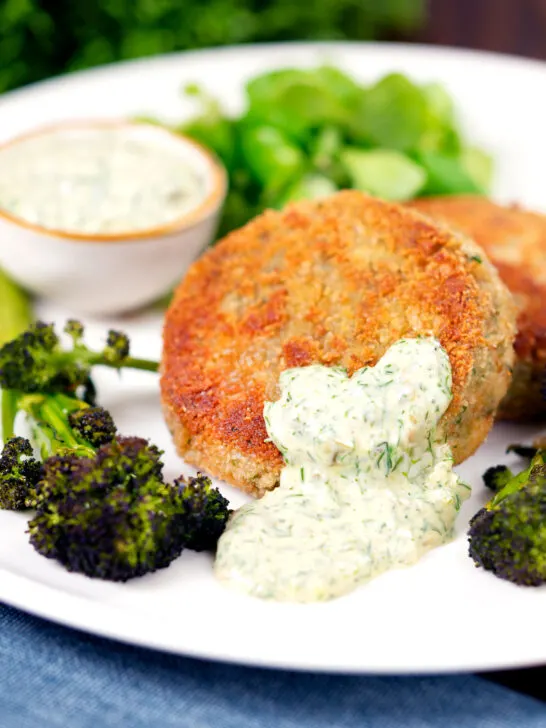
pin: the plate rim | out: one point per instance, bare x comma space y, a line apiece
80, 612
117, 627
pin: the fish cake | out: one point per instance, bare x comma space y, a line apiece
335, 282
515, 241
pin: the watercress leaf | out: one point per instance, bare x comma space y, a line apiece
439, 138
325, 146
479, 165
442, 132
439, 102
446, 175
216, 134
342, 86
298, 101
307, 187
270, 155
393, 114
384, 173
210, 126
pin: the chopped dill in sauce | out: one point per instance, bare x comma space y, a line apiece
366, 487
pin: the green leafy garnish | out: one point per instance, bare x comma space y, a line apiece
384, 173
446, 175
306, 133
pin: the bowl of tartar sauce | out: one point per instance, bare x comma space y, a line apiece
105, 216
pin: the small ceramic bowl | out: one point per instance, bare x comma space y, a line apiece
100, 274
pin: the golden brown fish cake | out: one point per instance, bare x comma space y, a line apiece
334, 282
515, 241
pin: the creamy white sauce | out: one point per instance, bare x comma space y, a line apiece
103, 180
366, 487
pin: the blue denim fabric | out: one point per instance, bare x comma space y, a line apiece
52, 677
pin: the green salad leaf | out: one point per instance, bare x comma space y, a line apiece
384, 173
393, 114
479, 165
446, 175
308, 187
308, 132
270, 156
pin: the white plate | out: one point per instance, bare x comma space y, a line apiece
442, 614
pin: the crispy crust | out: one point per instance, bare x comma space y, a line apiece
335, 282
515, 241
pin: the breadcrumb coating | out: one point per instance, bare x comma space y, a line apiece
334, 282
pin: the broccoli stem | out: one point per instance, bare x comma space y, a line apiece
43, 439
92, 359
69, 404
130, 362
9, 412
55, 416
51, 428
517, 482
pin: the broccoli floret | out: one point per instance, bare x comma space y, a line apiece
113, 516
508, 536
37, 362
117, 348
25, 361
497, 477
75, 330
205, 512
523, 451
19, 472
107, 517
93, 424
102, 505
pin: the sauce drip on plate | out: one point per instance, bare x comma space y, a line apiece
366, 487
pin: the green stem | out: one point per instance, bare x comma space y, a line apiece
9, 412
519, 481
94, 359
130, 362
44, 439
54, 415
69, 404
143, 364
50, 424
42, 435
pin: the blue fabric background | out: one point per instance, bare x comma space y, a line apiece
51, 676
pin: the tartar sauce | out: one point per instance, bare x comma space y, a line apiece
99, 180
367, 484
